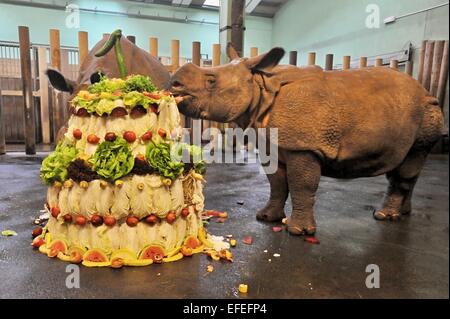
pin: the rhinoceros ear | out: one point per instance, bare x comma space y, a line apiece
265, 62
96, 77
231, 52
59, 82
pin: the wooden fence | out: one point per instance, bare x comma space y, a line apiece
31, 111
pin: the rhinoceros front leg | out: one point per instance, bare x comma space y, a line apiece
303, 173
274, 209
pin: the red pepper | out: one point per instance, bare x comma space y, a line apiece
312, 240
216, 213
248, 240
154, 96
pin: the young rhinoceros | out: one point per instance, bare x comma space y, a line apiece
341, 124
137, 61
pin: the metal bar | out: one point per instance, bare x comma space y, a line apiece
420, 11
293, 58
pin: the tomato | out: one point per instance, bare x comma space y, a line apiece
93, 139
110, 136
170, 218
147, 136
80, 220
162, 133
129, 136
109, 221
151, 219
132, 221
185, 212
68, 218
77, 133
55, 211
96, 220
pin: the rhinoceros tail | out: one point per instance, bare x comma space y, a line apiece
431, 100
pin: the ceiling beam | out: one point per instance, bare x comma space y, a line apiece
181, 3
251, 5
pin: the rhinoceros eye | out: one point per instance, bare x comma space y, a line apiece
210, 82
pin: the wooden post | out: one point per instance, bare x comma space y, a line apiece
394, 64
55, 62
253, 52
409, 68
363, 62
312, 58
421, 61
154, 47
27, 87
83, 46
328, 62
2, 129
196, 53
428, 65
346, 62
436, 67
443, 76
131, 38
55, 51
378, 62
216, 55
44, 94
175, 55
293, 58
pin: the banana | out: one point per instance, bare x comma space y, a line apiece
63, 257
173, 258
43, 249
138, 262
96, 264
173, 252
203, 239
198, 249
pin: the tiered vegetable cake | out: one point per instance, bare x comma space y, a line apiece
116, 195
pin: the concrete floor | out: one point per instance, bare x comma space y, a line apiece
412, 254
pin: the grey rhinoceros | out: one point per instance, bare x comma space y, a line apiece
342, 124
137, 61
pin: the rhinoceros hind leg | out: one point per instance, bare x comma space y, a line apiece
397, 200
274, 209
303, 171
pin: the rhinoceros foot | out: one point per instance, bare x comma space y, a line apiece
387, 214
301, 225
271, 214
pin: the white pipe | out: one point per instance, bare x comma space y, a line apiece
395, 18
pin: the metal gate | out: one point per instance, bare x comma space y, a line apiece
11, 94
